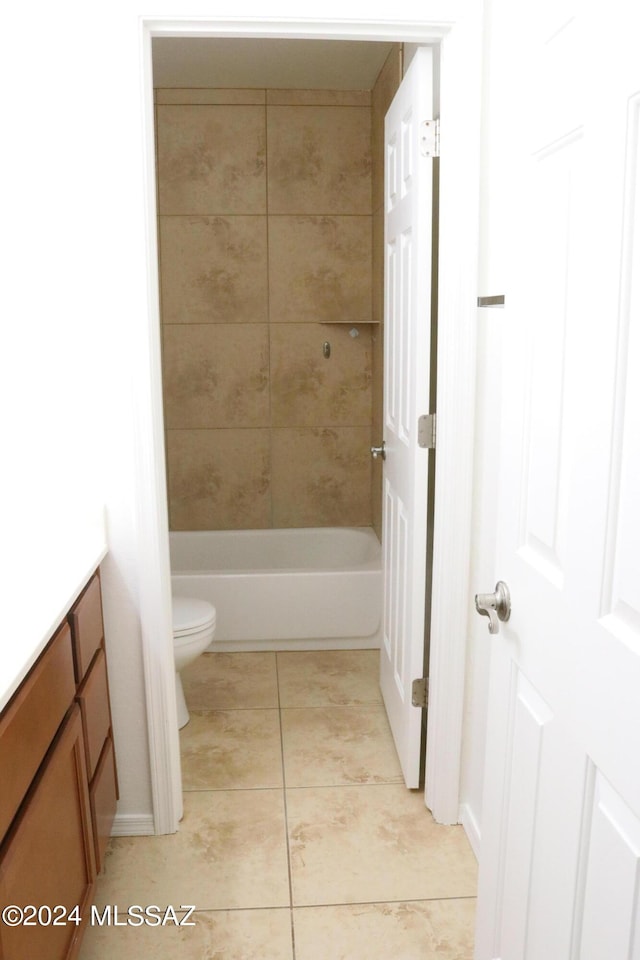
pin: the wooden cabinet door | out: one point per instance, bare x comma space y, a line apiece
93, 698
47, 858
29, 723
103, 795
86, 627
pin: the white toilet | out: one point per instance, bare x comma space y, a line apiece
194, 624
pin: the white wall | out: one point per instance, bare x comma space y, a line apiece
76, 306
74, 296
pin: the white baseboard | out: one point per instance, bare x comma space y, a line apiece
471, 828
133, 825
310, 643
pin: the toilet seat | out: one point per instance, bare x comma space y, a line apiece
191, 615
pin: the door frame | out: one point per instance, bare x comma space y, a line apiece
460, 42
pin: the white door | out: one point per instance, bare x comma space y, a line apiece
560, 846
407, 333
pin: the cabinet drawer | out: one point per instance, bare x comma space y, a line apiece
93, 697
86, 627
103, 795
47, 857
30, 721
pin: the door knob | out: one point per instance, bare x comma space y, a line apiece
379, 452
496, 606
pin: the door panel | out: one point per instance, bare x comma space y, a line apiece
528, 717
407, 203
613, 850
621, 580
546, 446
561, 825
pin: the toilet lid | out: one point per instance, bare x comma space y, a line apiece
190, 614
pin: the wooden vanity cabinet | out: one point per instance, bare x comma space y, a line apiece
47, 859
93, 697
58, 785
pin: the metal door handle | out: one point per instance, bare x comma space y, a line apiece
496, 606
379, 452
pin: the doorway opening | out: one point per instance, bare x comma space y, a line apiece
272, 214
449, 669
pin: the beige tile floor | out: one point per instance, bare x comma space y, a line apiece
299, 840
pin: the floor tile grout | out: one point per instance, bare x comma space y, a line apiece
200, 711
305, 786
336, 786
372, 903
331, 706
334, 904
286, 817
230, 789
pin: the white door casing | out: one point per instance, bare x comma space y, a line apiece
459, 32
407, 336
560, 854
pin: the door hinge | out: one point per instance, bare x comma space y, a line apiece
430, 138
420, 693
427, 431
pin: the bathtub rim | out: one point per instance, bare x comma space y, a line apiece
368, 533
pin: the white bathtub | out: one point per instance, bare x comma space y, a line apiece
301, 589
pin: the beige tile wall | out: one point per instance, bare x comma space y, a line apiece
265, 239
383, 93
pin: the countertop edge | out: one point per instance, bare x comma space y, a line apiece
14, 669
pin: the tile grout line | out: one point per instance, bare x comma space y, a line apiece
286, 814
315, 706
204, 711
371, 903
311, 786
338, 903
267, 214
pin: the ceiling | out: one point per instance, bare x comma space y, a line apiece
280, 64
